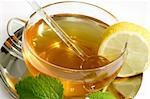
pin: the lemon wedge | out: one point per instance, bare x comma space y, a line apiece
138, 47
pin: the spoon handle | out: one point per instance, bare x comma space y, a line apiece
57, 29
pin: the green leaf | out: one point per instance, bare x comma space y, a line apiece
40, 87
101, 95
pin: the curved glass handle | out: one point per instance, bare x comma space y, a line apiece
14, 25
15, 28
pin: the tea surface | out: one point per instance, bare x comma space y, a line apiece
86, 32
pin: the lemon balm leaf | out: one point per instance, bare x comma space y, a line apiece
101, 95
40, 87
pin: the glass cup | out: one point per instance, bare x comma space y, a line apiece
77, 83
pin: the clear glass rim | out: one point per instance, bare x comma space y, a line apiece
68, 69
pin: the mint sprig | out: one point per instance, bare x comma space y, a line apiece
101, 95
40, 87
45, 87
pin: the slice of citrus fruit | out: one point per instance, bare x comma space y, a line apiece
138, 47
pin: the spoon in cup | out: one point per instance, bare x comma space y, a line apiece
86, 60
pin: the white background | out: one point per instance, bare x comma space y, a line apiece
137, 11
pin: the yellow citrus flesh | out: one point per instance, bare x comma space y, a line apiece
138, 47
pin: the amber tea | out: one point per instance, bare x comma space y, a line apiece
86, 32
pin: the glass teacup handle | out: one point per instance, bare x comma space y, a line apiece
15, 28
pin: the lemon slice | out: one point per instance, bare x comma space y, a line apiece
138, 48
